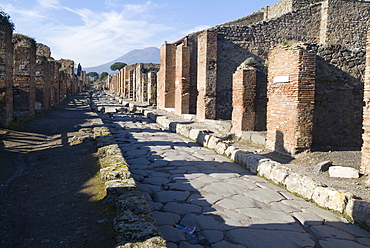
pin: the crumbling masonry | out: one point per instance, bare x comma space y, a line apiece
30, 79
201, 74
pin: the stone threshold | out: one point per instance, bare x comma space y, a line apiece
343, 203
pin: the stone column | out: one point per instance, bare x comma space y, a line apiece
43, 81
166, 77
207, 75
182, 80
24, 70
6, 74
365, 160
244, 99
291, 91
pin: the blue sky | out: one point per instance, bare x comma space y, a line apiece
93, 32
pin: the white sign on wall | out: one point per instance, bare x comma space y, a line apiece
282, 79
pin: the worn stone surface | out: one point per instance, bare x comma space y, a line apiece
344, 172
212, 194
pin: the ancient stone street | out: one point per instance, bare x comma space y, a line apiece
187, 185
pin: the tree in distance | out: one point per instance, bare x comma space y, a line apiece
117, 66
93, 75
103, 76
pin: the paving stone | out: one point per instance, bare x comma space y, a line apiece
224, 244
198, 200
324, 231
307, 219
204, 222
335, 243
213, 236
266, 214
156, 180
166, 218
181, 208
268, 238
187, 245
349, 228
202, 181
171, 234
168, 196
150, 189
222, 189
138, 161
159, 174
238, 202
181, 185
154, 206
264, 195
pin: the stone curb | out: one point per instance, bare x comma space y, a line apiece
134, 223
326, 197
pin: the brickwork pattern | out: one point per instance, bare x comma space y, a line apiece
182, 80
6, 63
365, 160
166, 77
244, 98
291, 102
24, 69
43, 82
207, 75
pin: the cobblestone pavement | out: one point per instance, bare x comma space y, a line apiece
190, 186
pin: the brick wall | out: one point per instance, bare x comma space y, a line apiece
6, 75
24, 69
365, 160
43, 82
166, 77
207, 75
182, 80
291, 89
152, 88
244, 98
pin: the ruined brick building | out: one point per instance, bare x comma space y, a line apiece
196, 74
30, 79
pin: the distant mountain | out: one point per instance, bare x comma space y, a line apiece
146, 55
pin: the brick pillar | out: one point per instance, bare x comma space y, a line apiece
43, 82
152, 88
6, 74
244, 99
207, 75
182, 80
166, 77
365, 160
55, 81
24, 69
291, 91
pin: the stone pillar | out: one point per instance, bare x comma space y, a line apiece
24, 69
166, 77
207, 75
244, 99
152, 88
6, 74
365, 160
291, 91
182, 80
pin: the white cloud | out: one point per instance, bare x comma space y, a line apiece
49, 4
196, 29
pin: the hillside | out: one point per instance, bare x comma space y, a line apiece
146, 55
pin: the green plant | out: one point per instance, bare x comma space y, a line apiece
285, 42
250, 61
5, 18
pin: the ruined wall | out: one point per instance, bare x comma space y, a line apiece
347, 22
166, 77
6, 75
291, 90
43, 50
365, 159
24, 69
244, 99
182, 80
43, 82
207, 76
338, 97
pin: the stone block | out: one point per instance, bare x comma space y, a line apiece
221, 147
279, 173
184, 130
331, 198
213, 141
300, 184
343, 172
229, 152
323, 166
193, 134
253, 162
359, 211
265, 167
